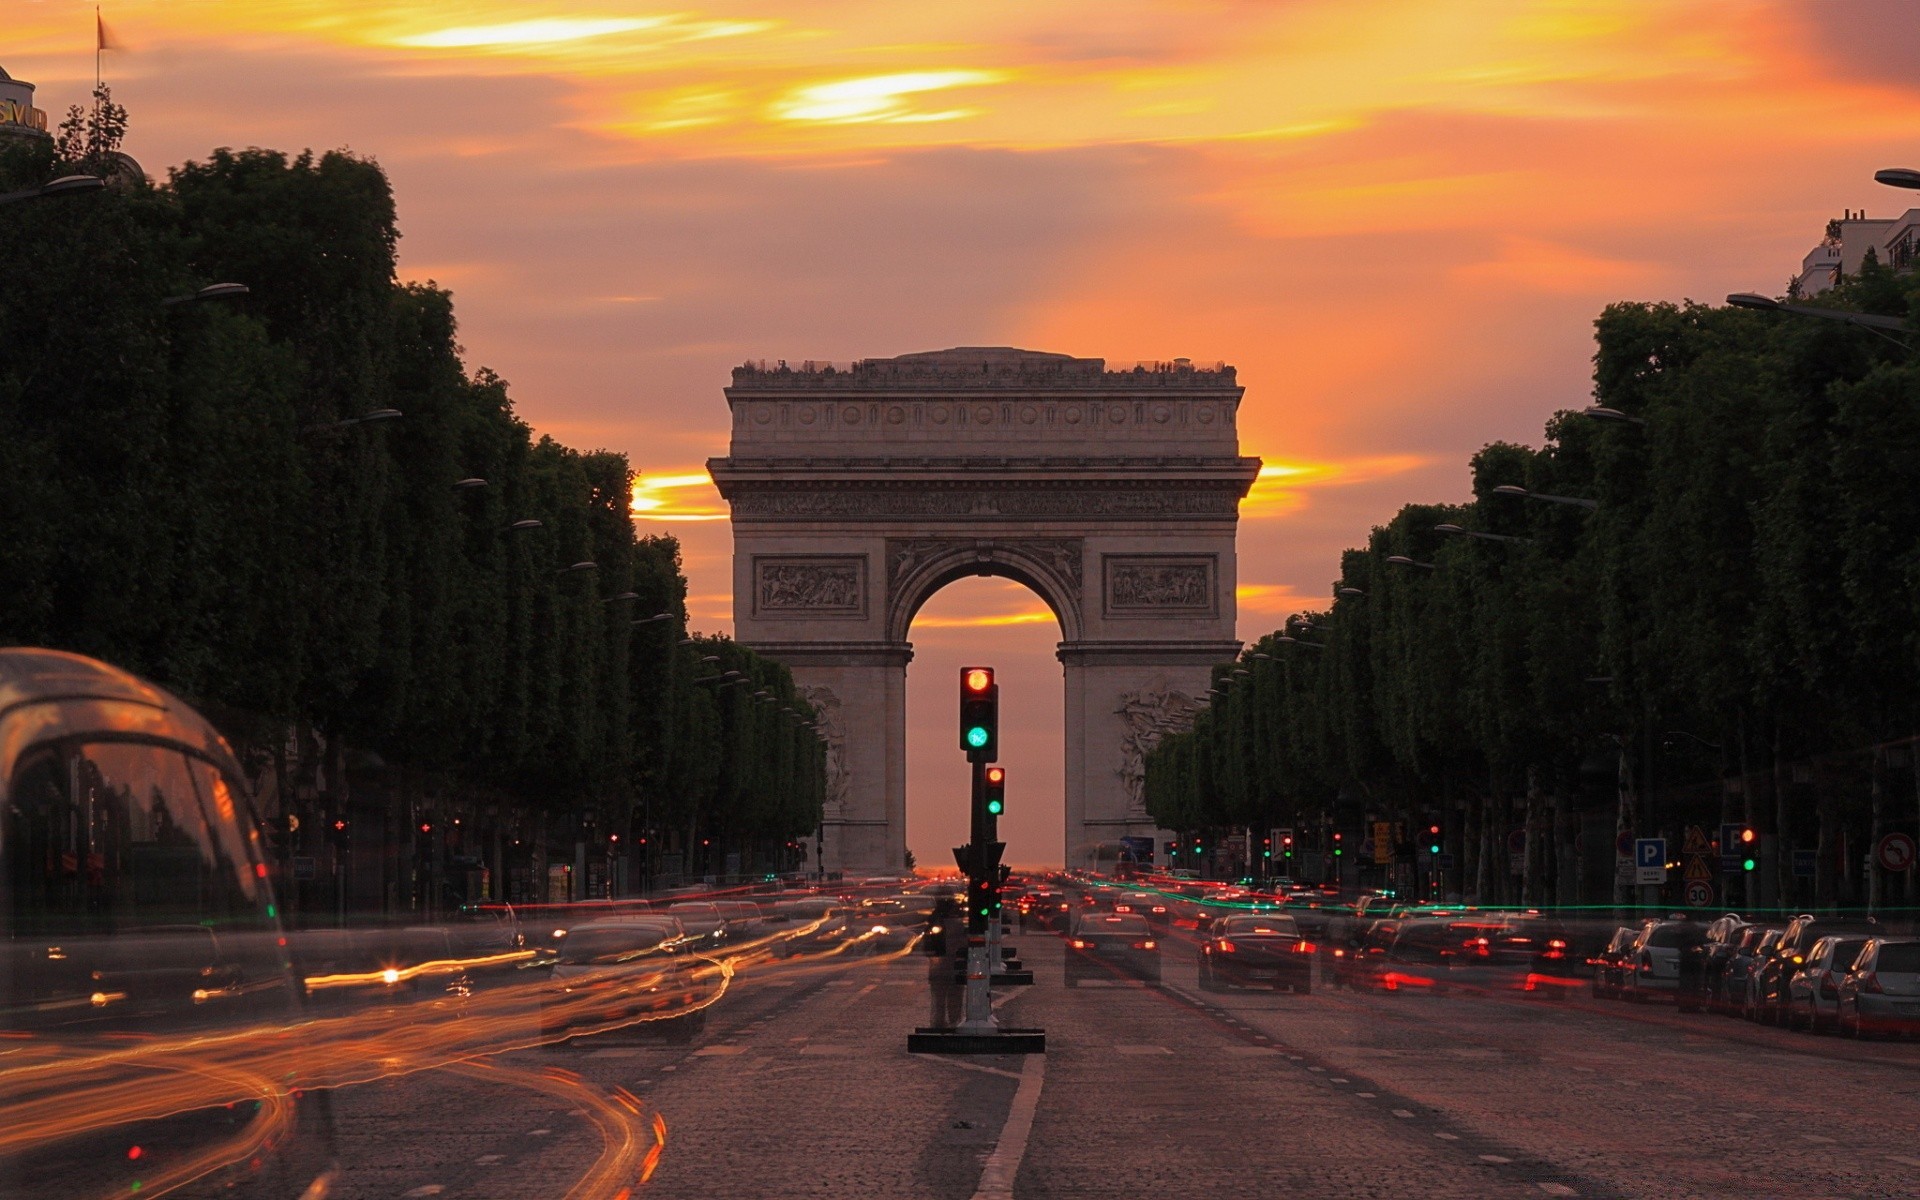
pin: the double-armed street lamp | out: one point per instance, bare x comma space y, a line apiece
1401, 560
372, 417
1871, 322
1601, 412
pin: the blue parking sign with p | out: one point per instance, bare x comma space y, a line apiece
1650, 852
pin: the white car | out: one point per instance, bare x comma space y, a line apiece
1813, 990
1881, 994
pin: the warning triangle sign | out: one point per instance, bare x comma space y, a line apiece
1696, 842
1697, 867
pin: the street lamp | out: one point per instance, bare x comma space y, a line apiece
213, 291
666, 616
621, 596
1510, 489
1401, 560
1349, 592
578, 568
1600, 412
524, 526
66, 185
1460, 531
365, 418
469, 483
1900, 177
1868, 321
1288, 640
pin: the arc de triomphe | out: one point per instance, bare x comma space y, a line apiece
858, 492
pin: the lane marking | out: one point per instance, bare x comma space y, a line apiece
863, 991
1136, 1049
540, 1132
1449, 1137
429, 1189
950, 1061
1902, 1158
1558, 1189
1494, 1158
996, 1180
487, 1160
1366, 1095
1401, 1112
710, 1051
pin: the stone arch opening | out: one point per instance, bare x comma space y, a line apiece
1049, 568
1000, 622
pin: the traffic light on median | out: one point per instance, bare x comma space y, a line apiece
996, 791
1749, 848
979, 714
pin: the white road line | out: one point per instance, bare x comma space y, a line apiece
863, 991
1558, 1189
1494, 1158
950, 1061
538, 1132
1448, 1137
1365, 1095
996, 1180
1339, 1080
1401, 1112
1903, 1158
487, 1160
430, 1189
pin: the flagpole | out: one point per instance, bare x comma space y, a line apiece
98, 37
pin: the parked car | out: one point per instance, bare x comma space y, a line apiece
1653, 964
1610, 965
1727, 988
1256, 951
625, 972
1770, 981
1723, 936
1745, 991
1881, 993
1813, 991
1103, 945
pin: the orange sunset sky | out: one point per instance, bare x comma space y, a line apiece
1397, 218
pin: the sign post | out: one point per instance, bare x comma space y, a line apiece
1650, 861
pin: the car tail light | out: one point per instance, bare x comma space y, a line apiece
1339, 953
1149, 944
1870, 982
1226, 947
1305, 948
1159, 908
1556, 949
1478, 946
1080, 945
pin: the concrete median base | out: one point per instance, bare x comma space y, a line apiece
952, 1041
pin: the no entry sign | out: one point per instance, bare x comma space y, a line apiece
1894, 852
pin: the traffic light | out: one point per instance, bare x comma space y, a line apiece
338, 831
280, 831
1286, 844
996, 791
1268, 851
1338, 848
1433, 839
979, 714
1749, 852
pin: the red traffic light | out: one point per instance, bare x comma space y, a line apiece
977, 679
996, 774
426, 827
1746, 837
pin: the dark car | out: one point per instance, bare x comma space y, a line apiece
1256, 951
1770, 986
1046, 909
1609, 966
1107, 945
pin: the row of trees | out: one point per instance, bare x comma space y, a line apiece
1700, 604
299, 509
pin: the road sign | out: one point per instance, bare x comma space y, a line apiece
1697, 868
1695, 841
1803, 862
1894, 852
1699, 893
1730, 842
1382, 842
303, 867
1730, 864
1517, 842
1443, 862
1650, 860
1623, 844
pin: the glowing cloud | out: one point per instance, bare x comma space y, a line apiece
877, 98
541, 32
1280, 487
663, 498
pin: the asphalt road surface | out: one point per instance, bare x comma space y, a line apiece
801, 1086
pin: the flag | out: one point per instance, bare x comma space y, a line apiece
103, 37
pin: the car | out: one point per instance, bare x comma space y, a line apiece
1249, 951
1770, 981
622, 973
1046, 909
703, 921
1653, 963
1813, 991
1727, 990
1881, 992
1723, 938
1744, 989
1609, 966
1154, 908
1106, 945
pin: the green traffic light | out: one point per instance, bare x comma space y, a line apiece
1748, 865
995, 807
1433, 849
977, 736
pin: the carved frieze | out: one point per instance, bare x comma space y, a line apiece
1148, 585
1148, 714
833, 727
1060, 556
810, 585
1007, 502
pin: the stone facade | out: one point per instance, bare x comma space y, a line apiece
857, 492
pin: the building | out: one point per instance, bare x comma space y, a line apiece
18, 116
1894, 241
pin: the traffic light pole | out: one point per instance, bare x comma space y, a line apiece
978, 1011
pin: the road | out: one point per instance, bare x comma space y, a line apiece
801, 1086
